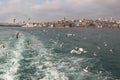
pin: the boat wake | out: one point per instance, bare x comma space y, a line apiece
26, 58
10, 56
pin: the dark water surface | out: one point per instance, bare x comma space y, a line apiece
59, 54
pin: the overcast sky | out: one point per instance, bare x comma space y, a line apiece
41, 10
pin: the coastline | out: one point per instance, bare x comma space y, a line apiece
85, 23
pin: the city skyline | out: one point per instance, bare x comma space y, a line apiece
42, 10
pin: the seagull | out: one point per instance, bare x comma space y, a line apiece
78, 51
94, 54
105, 44
86, 69
98, 47
111, 50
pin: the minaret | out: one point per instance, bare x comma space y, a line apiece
64, 19
28, 20
14, 21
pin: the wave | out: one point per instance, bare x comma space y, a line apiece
11, 55
27, 58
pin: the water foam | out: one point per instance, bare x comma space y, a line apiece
12, 52
35, 62
40, 61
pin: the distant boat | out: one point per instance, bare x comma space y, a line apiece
10, 25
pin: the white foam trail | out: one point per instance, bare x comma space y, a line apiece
53, 74
44, 59
10, 72
52, 68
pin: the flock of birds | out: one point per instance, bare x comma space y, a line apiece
81, 50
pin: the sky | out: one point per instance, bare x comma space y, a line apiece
50, 10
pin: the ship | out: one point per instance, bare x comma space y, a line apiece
10, 25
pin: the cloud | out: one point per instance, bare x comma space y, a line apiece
40, 10
53, 5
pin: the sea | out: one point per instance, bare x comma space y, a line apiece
59, 53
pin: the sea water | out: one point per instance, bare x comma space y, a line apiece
59, 54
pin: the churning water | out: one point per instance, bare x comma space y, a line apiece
59, 54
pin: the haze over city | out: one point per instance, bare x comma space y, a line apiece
45, 10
